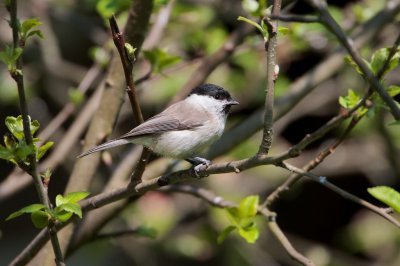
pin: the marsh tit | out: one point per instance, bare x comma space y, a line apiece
183, 129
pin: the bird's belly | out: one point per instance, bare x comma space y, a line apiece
184, 143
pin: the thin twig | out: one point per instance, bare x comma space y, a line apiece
220, 202
127, 64
329, 22
323, 181
33, 168
292, 179
296, 18
271, 75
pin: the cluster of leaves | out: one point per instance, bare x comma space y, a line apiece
242, 220
42, 216
15, 149
376, 64
10, 54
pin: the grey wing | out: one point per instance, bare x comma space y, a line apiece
170, 119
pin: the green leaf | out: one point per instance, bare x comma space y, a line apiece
160, 59
28, 25
15, 126
379, 58
349, 60
99, 55
250, 234
145, 231
28, 209
40, 219
387, 195
9, 56
283, 30
255, 24
106, 8
76, 96
130, 50
5, 153
350, 100
395, 123
222, 236
63, 215
72, 208
43, 149
74, 197
248, 207
393, 90
233, 215
22, 150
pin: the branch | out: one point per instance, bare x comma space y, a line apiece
33, 168
305, 84
270, 48
127, 61
328, 21
296, 18
323, 181
309, 166
219, 202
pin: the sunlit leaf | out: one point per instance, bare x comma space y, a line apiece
387, 195
250, 234
5, 153
40, 219
76, 196
28, 209
72, 208
248, 207
225, 233
43, 149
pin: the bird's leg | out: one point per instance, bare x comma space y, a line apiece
199, 164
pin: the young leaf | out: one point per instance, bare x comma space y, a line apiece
225, 233
283, 30
250, 234
62, 215
74, 197
349, 60
9, 56
40, 219
76, 96
379, 58
248, 207
387, 195
149, 232
43, 149
5, 153
72, 208
15, 126
393, 90
28, 25
255, 24
28, 209
130, 50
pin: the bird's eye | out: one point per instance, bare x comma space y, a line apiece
217, 96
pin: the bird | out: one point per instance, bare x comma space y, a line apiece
183, 129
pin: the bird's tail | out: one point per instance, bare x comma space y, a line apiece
107, 145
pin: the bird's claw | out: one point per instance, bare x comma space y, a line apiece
200, 165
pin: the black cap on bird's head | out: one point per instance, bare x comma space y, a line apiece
215, 92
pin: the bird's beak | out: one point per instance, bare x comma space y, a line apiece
233, 102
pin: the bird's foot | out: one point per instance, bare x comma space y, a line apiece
200, 164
